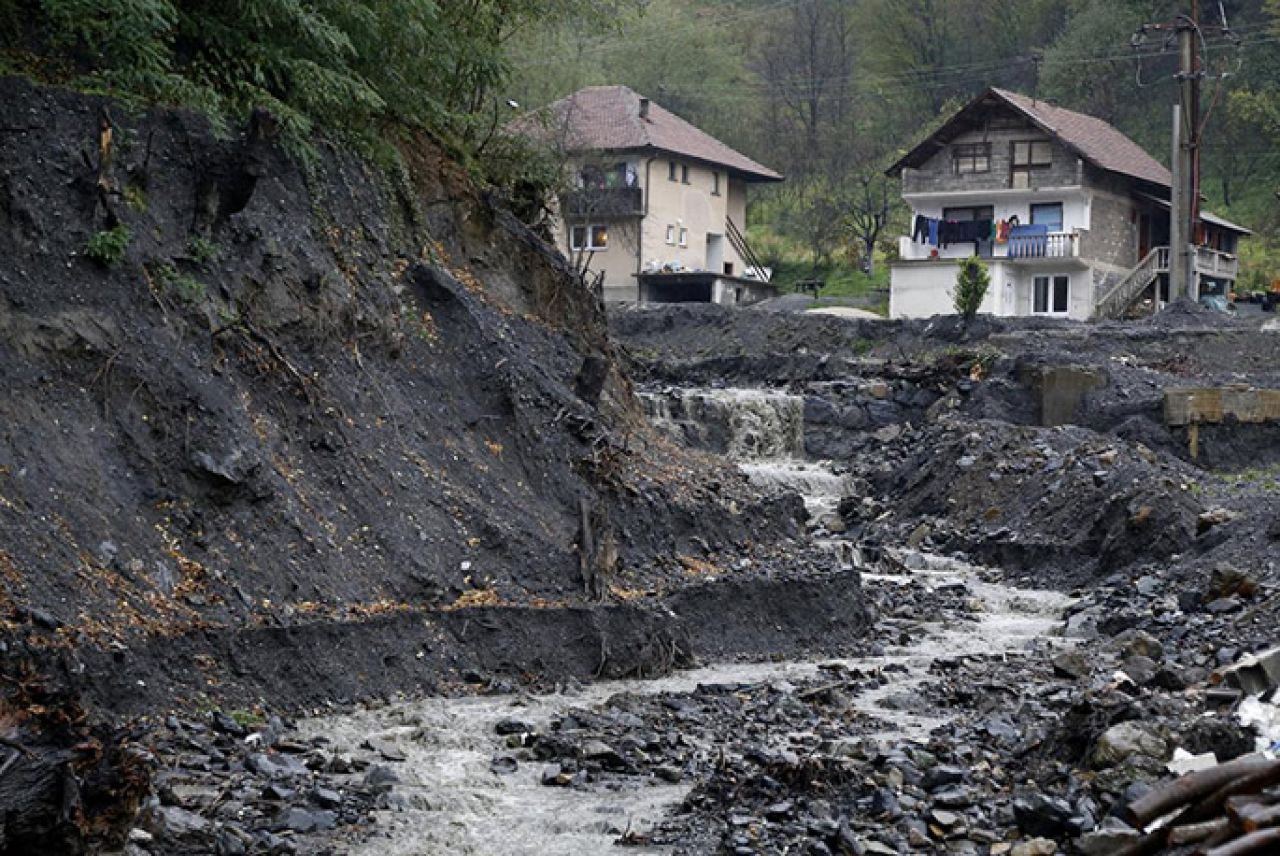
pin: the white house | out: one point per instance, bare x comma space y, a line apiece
1069, 214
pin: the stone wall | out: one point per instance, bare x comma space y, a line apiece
938, 173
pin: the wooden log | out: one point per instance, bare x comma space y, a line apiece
1191, 787
1193, 833
1251, 783
1263, 841
1258, 816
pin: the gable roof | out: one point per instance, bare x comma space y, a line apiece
607, 118
1089, 137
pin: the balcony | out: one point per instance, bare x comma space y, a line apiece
1216, 264
1050, 245
603, 203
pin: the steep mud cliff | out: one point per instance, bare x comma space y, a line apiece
273, 433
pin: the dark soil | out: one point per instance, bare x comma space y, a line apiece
300, 426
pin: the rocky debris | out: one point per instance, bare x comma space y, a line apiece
233, 785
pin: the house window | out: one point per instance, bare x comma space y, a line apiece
684, 174
588, 238
671, 235
1028, 156
1052, 295
969, 158
715, 183
970, 212
1047, 214
671, 170
684, 237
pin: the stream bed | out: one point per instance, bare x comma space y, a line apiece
461, 790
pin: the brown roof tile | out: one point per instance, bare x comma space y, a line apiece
1093, 139
1097, 141
607, 118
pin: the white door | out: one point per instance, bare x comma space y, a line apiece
715, 253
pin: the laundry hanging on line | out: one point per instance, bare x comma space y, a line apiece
942, 233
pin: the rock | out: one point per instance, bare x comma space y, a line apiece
275, 766
1035, 847
1120, 742
304, 820
1227, 581
1071, 663
512, 725
1113, 837
326, 798
1141, 670
503, 765
226, 725
388, 750
1214, 517
941, 776
172, 822
1138, 643
1038, 814
1223, 605
381, 778
598, 750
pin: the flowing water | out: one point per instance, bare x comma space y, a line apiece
450, 800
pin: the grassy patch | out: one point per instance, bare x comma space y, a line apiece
107, 248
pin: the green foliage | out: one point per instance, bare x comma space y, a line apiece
108, 248
972, 281
202, 250
135, 197
188, 289
344, 69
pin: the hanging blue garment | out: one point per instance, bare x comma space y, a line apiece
1027, 242
933, 231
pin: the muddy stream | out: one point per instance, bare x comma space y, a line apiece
450, 801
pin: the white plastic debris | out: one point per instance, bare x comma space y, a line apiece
1265, 718
1184, 762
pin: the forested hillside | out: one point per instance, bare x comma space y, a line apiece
831, 91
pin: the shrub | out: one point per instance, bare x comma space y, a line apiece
108, 248
972, 281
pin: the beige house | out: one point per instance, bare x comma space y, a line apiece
659, 207
1069, 214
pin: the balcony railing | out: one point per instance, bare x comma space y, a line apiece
603, 203
1217, 264
1053, 245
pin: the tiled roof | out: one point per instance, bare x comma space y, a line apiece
607, 118
1096, 141
1093, 139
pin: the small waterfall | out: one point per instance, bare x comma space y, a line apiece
762, 430
744, 424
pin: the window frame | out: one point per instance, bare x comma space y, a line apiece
589, 232
715, 182
1032, 165
988, 212
671, 235
971, 153
684, 173
684, 236
671, 170
1062, 223
1051, 282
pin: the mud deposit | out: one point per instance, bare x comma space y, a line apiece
529, 774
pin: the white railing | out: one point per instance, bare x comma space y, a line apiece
1216, 263
1121, 297
1054, 245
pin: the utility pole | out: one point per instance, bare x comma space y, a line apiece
1185, 160
1184, 196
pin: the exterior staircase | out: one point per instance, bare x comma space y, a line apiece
1116, 301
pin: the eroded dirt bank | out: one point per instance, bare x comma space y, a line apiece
277, 437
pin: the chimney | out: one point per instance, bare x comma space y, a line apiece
644, 108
